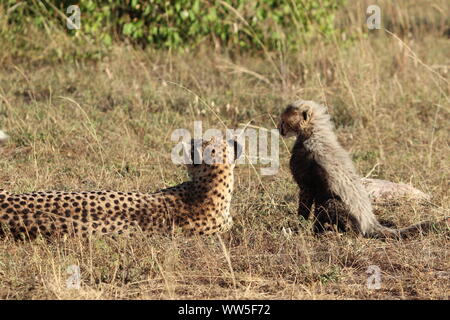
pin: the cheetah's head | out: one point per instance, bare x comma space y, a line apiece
213, 153
299, 118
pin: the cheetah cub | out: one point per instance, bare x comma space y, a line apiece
327, 177
200, 205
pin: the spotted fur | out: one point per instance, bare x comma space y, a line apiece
200, 205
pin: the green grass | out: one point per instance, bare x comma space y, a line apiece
106, 124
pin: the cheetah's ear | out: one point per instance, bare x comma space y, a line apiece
237, 148
305, 115
191, 154
196, 151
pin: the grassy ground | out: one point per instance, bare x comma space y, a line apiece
107, 125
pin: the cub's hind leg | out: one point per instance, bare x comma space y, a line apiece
333, 215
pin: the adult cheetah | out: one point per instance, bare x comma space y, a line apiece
198, 206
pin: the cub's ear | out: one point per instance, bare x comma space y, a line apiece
306, 115
237, 148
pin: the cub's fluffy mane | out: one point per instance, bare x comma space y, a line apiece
342, 176
326, 175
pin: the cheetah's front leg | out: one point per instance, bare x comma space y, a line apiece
305, 203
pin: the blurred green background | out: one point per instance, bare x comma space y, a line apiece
232, 24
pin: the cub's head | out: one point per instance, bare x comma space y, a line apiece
208, 155
300, 117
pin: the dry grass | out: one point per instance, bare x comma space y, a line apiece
107, 125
